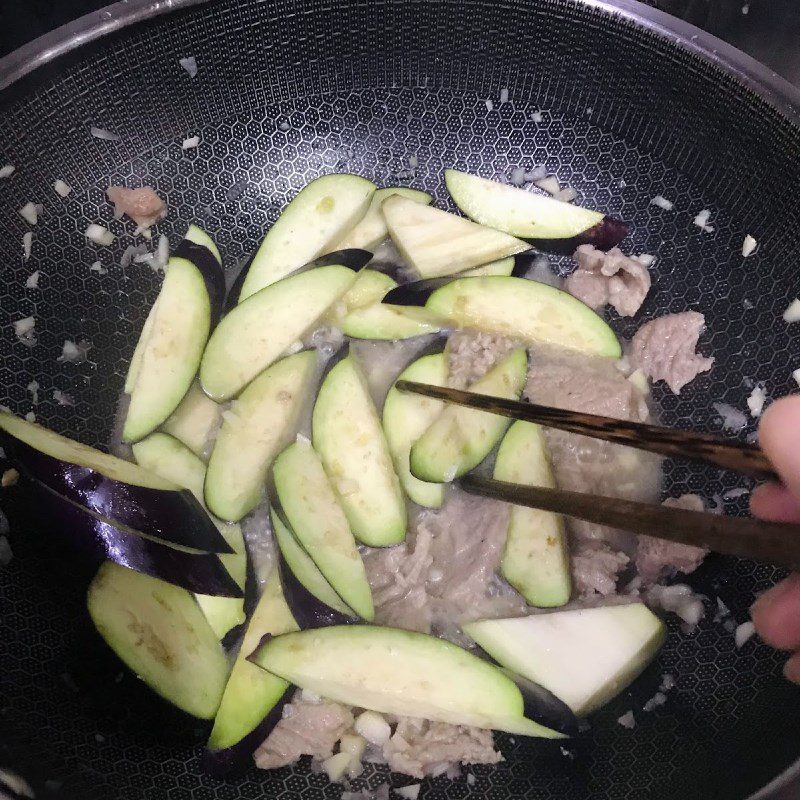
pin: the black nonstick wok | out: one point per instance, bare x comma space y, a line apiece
633, 104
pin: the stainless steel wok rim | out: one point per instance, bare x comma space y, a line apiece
757, 77
85, 29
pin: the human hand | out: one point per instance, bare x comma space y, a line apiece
776, 613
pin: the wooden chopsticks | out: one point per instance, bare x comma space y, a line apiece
773, 542
743, 458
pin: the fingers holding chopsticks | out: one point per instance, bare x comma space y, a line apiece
776, 614
779, 436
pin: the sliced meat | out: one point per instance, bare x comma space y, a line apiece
445, 573
467, 539
580, 383
471, 354
582, 464
420, 748
398, 576
664, 349
596, 568
588, 286
658, 558
306, 729
610, 278
142, 205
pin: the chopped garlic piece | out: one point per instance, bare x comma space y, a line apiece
701, 220
756, 401
662, 202
24, 331
99, 235
373, 727
744, 633
189, 64
627, 720
354, 746
30, 213
792, 314
566, 195
102, 133
550, 184
62, 189
749, 246
336, 766
62, 398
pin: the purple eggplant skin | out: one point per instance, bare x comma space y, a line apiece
417, 293
353, 258
239, 757
172, 516
99, 540
543, 706
252, 588
307, 610
212, 273
608, 233
523, 262
232, 295
231, 638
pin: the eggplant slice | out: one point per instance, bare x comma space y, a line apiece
417, 293
117, 490
169, 350
199, 252
352, 257
318, 215
311, 599
100, 540
160, 634
253, 700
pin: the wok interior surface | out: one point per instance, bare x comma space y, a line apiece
287, 91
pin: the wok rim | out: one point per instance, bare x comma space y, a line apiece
759, 78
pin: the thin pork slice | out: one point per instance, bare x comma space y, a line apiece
610, 278
665, 349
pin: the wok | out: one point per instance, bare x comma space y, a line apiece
633, 104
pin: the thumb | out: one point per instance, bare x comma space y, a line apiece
779, 437
774, 503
